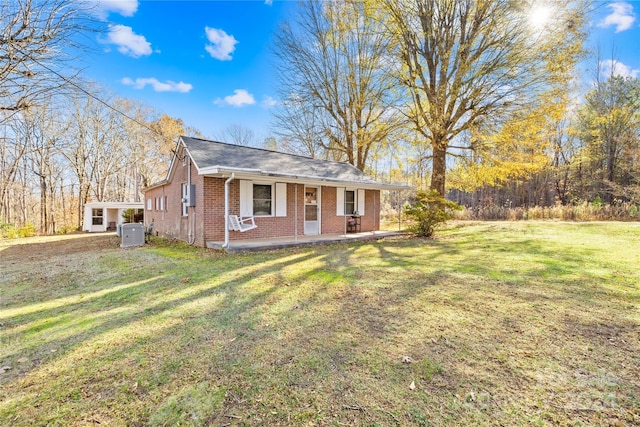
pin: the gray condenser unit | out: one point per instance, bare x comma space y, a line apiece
132, 235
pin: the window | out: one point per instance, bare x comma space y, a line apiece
262, 198
185, 198
162, 203
149, 204
97, 216
349, 202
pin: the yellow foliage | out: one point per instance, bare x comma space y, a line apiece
520, 148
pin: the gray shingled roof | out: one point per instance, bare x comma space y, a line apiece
211, 154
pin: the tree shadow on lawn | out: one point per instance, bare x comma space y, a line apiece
520, 261
71, 354
54, 267
127, 303
449, 328
300, 335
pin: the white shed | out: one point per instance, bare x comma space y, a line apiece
106, 216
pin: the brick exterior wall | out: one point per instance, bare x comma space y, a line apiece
169, 222
331, 223
205, 221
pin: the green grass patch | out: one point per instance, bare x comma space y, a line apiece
528, 323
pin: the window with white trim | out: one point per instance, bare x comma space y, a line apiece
263, 199
348, 202
97, 216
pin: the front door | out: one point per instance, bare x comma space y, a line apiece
311, 210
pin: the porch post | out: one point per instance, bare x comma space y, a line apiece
344, 211
376, 214
225, 245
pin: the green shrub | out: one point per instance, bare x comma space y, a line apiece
429, 211
9, 231
133, 215
597, 202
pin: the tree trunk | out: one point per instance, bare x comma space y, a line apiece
439, 167
44, 218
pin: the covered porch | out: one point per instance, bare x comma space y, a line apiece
238, 246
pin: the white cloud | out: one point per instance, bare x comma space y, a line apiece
158, 86
128, 42
240, 98
103, 8
223, 45
268, 2
269, 102
621, 16
616, 68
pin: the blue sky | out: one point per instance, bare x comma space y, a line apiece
207, 62
210, 63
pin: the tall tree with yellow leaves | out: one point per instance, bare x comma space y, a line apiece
472, 64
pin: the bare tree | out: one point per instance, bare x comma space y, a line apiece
300, 126
43, 134
338, 95
238, 135
36, 38
467, 63
150, 141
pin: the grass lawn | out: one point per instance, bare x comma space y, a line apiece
527, 323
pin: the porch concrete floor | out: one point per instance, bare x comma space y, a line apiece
236, 246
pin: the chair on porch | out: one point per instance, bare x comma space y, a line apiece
237, 223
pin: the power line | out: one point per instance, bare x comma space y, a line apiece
86, 92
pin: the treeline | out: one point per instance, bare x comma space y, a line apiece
465, 97
58, 156
65, 141
431, 93
591, 156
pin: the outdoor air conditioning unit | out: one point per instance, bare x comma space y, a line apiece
132, 235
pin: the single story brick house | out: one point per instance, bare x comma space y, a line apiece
209, 183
